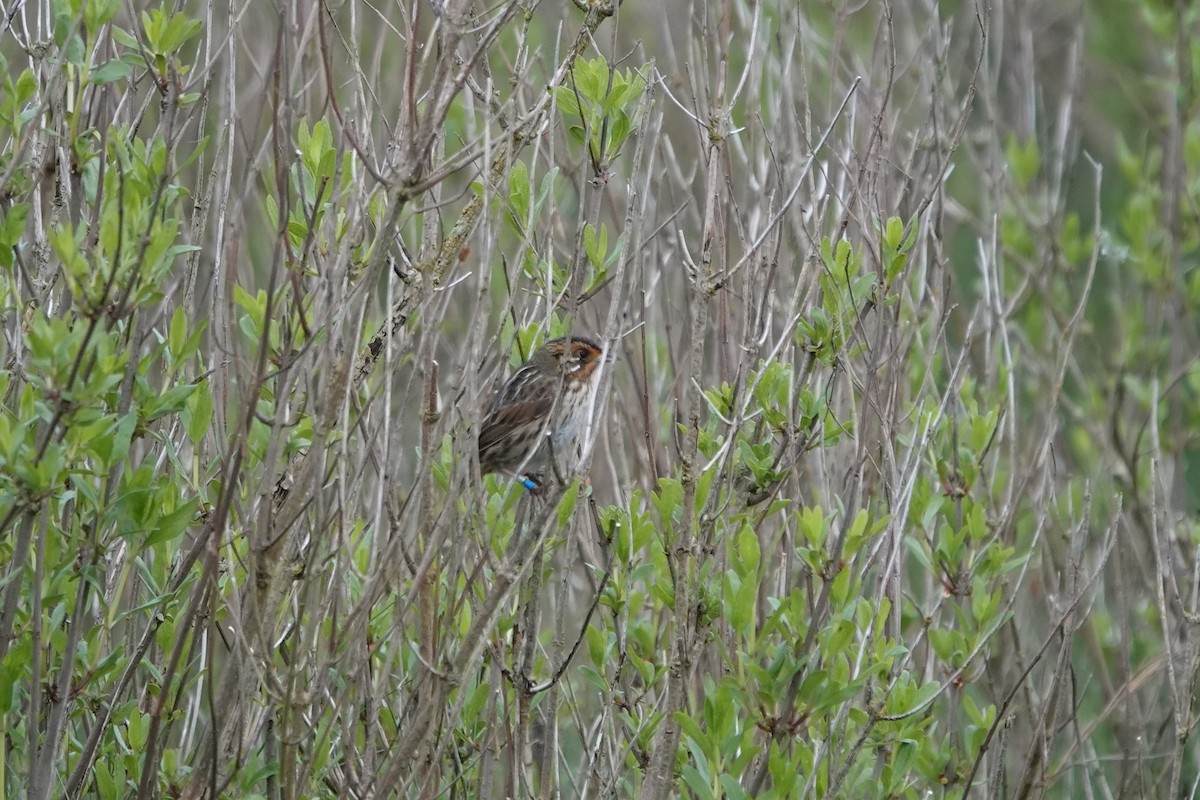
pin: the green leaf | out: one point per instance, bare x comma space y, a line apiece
595, 247
546, 187
113, 71
139, 728
697, 782
177, 331
12, 227
833, 696
745, 599
125, 38
172, 525
197, 413
813, 526
106, 781
840, 591
473, 709
597, 645
99, 12
519, 194
857, 533
12, 224
747, 553
172, 401
566, 506
893, 233
1024, 160
668, 498
730, 788
567, 105
123, 436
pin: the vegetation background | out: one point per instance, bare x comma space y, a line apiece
897, 488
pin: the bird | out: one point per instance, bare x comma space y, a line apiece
535, 423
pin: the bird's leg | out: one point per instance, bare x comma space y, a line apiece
532, 482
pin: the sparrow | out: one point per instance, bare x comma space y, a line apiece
536, 421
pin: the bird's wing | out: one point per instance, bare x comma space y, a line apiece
505, 418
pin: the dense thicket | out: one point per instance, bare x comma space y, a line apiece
893, 492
